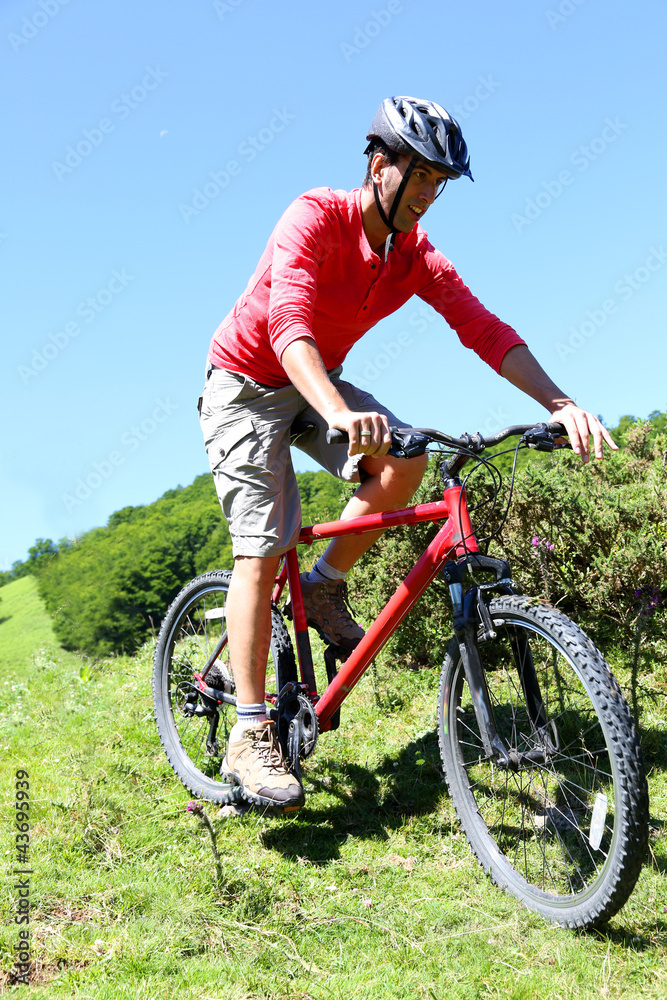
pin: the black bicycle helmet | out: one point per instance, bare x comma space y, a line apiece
423, 128
428, 132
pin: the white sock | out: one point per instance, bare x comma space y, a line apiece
246, 715
322, 572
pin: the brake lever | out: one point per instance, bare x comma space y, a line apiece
540, 438
409, 445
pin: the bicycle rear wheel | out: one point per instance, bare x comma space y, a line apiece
565, 831
194, 729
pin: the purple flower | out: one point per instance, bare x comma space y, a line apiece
194, 807
648, 599
536, 540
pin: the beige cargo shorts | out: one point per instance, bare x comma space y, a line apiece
246, 429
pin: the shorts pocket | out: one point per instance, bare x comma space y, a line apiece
222, 389
231, 441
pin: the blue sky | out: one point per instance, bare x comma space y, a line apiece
115, 271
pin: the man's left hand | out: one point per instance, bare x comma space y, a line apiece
580, 425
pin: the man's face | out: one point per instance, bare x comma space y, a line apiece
423, 185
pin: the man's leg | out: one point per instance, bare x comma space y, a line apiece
248, 615
253, 754
258, 493
387, 483
390, 484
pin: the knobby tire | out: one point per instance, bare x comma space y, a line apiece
189, 633
535, 829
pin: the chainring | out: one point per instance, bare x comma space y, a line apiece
297, 724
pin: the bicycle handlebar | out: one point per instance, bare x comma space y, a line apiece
410, 441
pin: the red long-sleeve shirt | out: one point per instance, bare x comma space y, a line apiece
318, 277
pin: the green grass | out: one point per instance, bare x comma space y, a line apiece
370, 891
24, 625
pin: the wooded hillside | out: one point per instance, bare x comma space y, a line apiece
111, 589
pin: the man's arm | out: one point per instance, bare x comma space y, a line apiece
305, 369
521, 369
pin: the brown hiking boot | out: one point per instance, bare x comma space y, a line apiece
327, 611
257, 763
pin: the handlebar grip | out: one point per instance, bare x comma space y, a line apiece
334, 436
557, 429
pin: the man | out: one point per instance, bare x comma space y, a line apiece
336, 263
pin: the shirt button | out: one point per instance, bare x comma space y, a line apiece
372, 267
365, 307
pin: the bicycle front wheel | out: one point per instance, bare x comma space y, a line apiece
193, 729
565, 828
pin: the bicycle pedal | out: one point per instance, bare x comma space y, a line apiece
239, 808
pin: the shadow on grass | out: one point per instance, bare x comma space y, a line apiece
658, 862
653, 740
629, 939
370, 803
373, 803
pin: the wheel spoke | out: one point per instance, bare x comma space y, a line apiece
555, 824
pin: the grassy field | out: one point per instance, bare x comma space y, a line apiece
370, 891
24, 626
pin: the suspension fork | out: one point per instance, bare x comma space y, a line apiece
470, 611
466, 621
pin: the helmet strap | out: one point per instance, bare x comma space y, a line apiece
389, 222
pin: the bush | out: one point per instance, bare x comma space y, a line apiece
591, 539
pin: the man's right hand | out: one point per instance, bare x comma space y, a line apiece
368, 432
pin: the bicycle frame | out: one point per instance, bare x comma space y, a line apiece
538, 749
454, 539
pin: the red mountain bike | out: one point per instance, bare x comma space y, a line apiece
538, 746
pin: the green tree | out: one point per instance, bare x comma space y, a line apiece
111, 589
